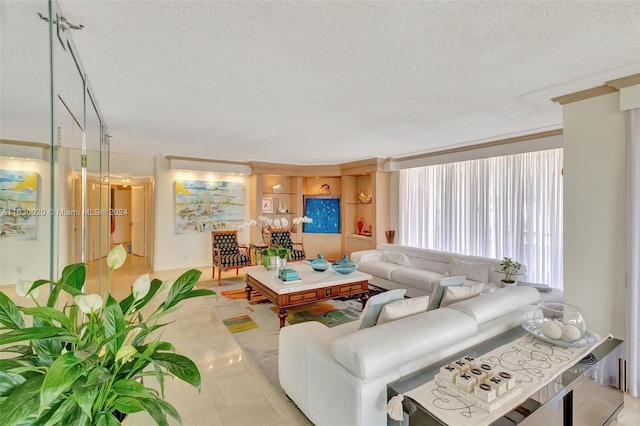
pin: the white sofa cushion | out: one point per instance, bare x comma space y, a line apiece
396, 257
458, 293
372, 309
415, 277
379, 269
476, 271
438, 290
403, 308
501, 302
376, 350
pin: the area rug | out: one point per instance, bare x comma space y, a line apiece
260, 343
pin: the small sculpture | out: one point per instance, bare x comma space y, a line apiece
325, 188
366, 199
360, 225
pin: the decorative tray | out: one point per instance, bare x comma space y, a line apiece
587, 340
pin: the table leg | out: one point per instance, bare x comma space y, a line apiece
364, 299
282, 314
248, 290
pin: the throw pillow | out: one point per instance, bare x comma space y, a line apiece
375, 304
459, 293
395, 257
438, 290
474, 271
403, 308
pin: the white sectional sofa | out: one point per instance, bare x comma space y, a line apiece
396, 266
338, 376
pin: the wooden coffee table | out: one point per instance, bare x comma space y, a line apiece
314, 286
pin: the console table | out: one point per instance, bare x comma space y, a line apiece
586, 393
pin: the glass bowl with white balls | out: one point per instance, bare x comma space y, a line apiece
559, 323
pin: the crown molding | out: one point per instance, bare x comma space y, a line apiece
621, 83
584, 94
489, 144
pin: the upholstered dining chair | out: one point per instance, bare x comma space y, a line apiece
282, 237
227, 253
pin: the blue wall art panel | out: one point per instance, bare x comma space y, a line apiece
203, 206
325, 212
19, 205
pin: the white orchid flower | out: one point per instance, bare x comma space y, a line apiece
22, 289
116, 257
284, 222
88, 302
141, 287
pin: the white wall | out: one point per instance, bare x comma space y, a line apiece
594, 211
178, 251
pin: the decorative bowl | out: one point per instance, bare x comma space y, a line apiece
560, 322
345, 268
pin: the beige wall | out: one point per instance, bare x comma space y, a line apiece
594, 211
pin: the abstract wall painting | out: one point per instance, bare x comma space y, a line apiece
19, 205
325, 212
203, 206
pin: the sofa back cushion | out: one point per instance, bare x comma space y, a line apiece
491, 306
475, 271
403, 308
375, 350
439, 288
458, 293
372, 309
396, 257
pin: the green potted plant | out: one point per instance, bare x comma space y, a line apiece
277, 251
81, 358
509, 267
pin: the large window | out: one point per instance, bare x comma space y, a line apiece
503, 206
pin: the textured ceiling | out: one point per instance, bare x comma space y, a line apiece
331, 82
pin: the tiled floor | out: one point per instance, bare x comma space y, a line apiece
234, 392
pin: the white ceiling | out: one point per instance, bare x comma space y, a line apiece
330, 82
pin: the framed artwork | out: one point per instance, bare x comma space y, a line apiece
19, 205
202, 206
267, 205
325, 212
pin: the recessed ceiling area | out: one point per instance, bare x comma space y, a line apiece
332, 82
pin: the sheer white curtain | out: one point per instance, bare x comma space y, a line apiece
633, 251
502, 206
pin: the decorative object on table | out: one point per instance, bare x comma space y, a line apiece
319, 263
282, 208
360, 225
391, 235
201, 206
275, 257
288, 274
559, 323
227, 253
80, 363
344, 265
509, 267
325, 189
277, 189
267, 205
365, 199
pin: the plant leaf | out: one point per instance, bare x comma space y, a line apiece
128, 405
98, 375
9, 313
48, 314
61, 375
36, 333
200, 292
113, 324
84, 395
182, 287
9, 381
129, 387
74, 275
180, 366
106, 419
156, 411
170, 409
22, 403
55, 415
47, 350
19, 349
125, 303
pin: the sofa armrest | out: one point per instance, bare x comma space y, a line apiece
366, 255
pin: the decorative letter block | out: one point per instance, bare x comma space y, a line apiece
508, 379
485, 392
449, 373
498, 384
466, 382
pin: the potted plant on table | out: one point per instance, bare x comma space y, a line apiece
278, 252
509, 268
80, 359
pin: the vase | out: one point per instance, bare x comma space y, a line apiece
276, 263
390, 234
319, 263
360, 225
344, 265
